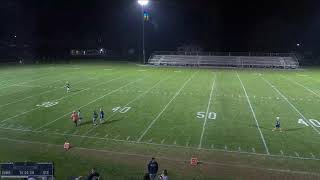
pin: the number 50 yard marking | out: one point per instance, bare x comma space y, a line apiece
211, 115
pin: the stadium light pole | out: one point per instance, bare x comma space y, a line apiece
143, 3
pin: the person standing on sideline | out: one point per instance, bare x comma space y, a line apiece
94, 118
153, 169
101, 116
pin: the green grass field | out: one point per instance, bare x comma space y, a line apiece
171, 113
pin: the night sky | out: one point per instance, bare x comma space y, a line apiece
215, 25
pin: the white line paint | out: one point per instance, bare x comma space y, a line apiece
162, 141
19, 100
312, 155
306, 88
128, 138
254, 115
135, 99
293, 107
63, 97
93, 101
167, 105
164, 158
207, 114
297, 154
162, 145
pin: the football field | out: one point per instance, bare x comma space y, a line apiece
178, 112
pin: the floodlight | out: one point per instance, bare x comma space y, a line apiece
143, 2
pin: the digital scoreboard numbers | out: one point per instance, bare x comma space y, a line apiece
26, 170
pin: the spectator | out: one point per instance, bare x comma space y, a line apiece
153, 169
164, 175
93, 175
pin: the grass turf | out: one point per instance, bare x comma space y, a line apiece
181, 109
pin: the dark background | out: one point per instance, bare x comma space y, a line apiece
53, 27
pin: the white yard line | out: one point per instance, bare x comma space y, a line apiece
6, 86
254, 115
164, 158
207, 112
177, 93
157, 144
293, 107
63, 97
306, 88
93, 101
135, 99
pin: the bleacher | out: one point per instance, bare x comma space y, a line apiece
276, 60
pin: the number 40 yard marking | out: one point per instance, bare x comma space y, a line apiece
211, 115
313, 122
121, 109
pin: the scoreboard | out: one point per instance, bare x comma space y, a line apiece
26, 170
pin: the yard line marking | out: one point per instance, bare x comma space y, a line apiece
19, 100
33, 109
93, 101
63, 97
312, 155
281, 152
177, 93
164, 145
293, 107
297, 154
254, 115
128, 138
165, 158
6, 85
302, 86
130, 102
207, 113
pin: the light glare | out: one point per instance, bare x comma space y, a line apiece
143, 2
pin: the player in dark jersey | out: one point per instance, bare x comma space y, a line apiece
278, 125
67, 87
101, 115
94, 118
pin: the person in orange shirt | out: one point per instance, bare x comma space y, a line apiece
75, 118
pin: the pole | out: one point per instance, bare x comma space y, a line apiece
143, 47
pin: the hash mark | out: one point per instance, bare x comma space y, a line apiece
312, 156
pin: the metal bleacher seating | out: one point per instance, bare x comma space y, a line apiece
285, 61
